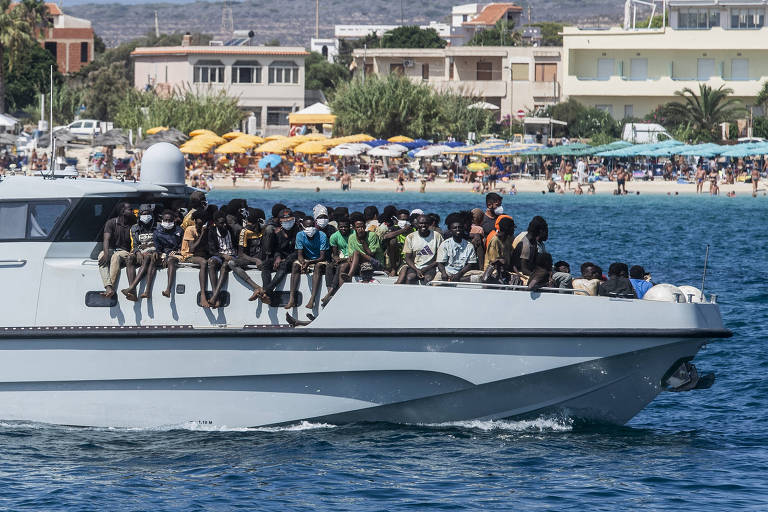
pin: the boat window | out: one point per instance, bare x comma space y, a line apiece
86, 223
33, 220
43, 217
13, 220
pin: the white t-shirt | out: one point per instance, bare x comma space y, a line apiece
581, 170
423, 249
455, 256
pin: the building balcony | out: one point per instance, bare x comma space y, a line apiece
664, 86
481, 88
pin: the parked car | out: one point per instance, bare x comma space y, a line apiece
82, 128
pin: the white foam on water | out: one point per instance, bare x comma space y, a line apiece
535, 425
197, 427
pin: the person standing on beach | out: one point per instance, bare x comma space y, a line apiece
755, 180
581, 171
699, 179
346, 181
266, 177
621, 180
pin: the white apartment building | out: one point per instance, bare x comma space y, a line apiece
629, 72
268, 81
511, 78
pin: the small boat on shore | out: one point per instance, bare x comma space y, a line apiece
71, 356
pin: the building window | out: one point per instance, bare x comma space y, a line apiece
283, 72
246, 72
83, 52
208, 71
739, 69
546, 72
698, 18
278, 116
519, 71
705, 69
397, 68
747, 18
484, 71
451, 66
425, 71
638, 69
629, 111
51, 47
605, 69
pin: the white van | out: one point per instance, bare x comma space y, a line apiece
644, 133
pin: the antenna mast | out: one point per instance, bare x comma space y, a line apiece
317, 19
227, 21
157, 26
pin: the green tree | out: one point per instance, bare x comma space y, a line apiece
347, 47
502, 34
394, 105
762, 97
98, 45
412, 37
584, 121
20, 24
550, 33
324, 75
185, 110
272, 42
30, 77
705, 111
106, 86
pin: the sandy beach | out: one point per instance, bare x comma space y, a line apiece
521, 185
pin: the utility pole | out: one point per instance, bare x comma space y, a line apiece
402, 14
317, 19
157, 26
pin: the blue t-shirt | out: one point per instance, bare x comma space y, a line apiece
312, 246
641, 286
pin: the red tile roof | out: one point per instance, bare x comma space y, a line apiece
53, 9
493, 13
218, 50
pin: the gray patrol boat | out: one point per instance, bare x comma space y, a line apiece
70, 356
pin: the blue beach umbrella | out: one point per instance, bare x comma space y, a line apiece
271, 160
376, 142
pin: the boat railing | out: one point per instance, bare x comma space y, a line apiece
518, 287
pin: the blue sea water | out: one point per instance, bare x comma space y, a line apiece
702, 450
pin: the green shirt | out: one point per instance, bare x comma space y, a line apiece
374, 245
341, 243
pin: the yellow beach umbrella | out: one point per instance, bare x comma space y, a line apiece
195, 133
315, 136
272, 146
400, 138
194, 150
230, 147
477, 166
275, 137
243, 141
361, 137
213, 139
310, 148
156, 129
232, 135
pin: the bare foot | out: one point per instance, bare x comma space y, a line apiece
130, 294
345, 277
145, 295
166, 293
310, 304
291, 304
325, 300
204, 303
108, 292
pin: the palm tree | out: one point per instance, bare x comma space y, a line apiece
20, 26
707, 110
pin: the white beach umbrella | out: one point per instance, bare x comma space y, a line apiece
437, 149
347, 150
384, 151
397, 147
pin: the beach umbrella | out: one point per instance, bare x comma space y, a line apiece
310, 148
376, 142
232, 135
484, 105
7, 139
275, 137
400, 138
427, 151
230, 147
360, 137
156, 129
398, 147
197, 133
384, 151
347, 150
272, 160
114, 137
194, 150
477, 166
272, 146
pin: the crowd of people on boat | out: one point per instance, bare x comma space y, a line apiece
336, 245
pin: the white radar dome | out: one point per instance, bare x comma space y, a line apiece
163, 164
664, 292
691, 293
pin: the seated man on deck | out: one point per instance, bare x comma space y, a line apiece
168, 237
498, 255
393, 241
364, 248
249, 252
144, 253
194, 249
420, 253
116, 248
279, 249
456, 255
527, 246
221, 248
618, 284
339, 257
196, 202
561, 277
311, 248
641, 281
591, 277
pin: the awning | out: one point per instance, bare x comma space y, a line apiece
313, 114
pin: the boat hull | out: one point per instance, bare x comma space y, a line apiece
277, 376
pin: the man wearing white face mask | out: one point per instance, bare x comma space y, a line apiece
145, 253
311, 248
279, 250
493, 209
168, 238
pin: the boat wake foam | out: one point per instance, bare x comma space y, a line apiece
534, 425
